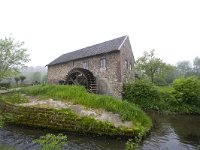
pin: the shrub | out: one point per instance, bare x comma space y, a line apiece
140, 90
5, 85
187, 90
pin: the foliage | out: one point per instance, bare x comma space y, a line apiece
140, 90
5, 85
22, 78
187, 90
52, 142
12, 57
184, 68
14, 97
79, 95
17, 80
196, 66
131, 145
167, 100
153, 68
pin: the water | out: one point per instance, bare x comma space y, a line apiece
171, 132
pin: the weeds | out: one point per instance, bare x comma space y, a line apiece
52, 142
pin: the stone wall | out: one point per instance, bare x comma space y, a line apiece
119, 70
126, 54
108, 79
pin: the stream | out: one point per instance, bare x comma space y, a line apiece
170, 132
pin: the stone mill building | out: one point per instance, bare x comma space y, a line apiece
102, 68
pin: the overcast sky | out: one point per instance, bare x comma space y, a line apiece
53, 27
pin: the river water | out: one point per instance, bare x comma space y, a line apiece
170, 132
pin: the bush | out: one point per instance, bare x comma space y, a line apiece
187, 90
5, 85
140, 90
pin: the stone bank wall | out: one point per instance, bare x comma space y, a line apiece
60, 120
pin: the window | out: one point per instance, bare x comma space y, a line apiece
130, 66
85, 65
126, 64
103, 63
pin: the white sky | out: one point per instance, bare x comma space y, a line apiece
53, 27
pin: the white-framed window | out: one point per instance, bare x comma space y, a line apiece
103, 62
85, 65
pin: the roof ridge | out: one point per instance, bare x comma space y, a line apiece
96, 49
125, 36
123, 42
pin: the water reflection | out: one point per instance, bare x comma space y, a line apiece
171, 132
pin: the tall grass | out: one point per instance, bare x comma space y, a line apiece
79, 95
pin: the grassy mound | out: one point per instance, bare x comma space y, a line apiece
79, 95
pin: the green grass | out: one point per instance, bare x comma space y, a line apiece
79, 95
13, 97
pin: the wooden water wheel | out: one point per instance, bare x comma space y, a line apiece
80, 76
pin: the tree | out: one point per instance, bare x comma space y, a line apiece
22, 78
12, 57
184, 68
196, 66
151, 67
17, 80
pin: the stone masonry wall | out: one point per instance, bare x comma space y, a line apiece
108, 79
128, 70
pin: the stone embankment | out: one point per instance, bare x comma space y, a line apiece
66, 116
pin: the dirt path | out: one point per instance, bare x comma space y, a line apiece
98, 114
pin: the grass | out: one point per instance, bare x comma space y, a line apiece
79, 95
14, 97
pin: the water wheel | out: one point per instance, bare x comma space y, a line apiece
80, 76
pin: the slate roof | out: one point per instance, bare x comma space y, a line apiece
101, 48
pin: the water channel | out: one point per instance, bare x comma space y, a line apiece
170, 132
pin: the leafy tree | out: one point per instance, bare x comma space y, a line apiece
153, 68
12, 57
184, 69
22, 78
17, 80
196, 66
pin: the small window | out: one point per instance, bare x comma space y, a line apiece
85, 65
126, 64
130, 66
103, 63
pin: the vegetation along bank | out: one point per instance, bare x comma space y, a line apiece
66, 118
182, 96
